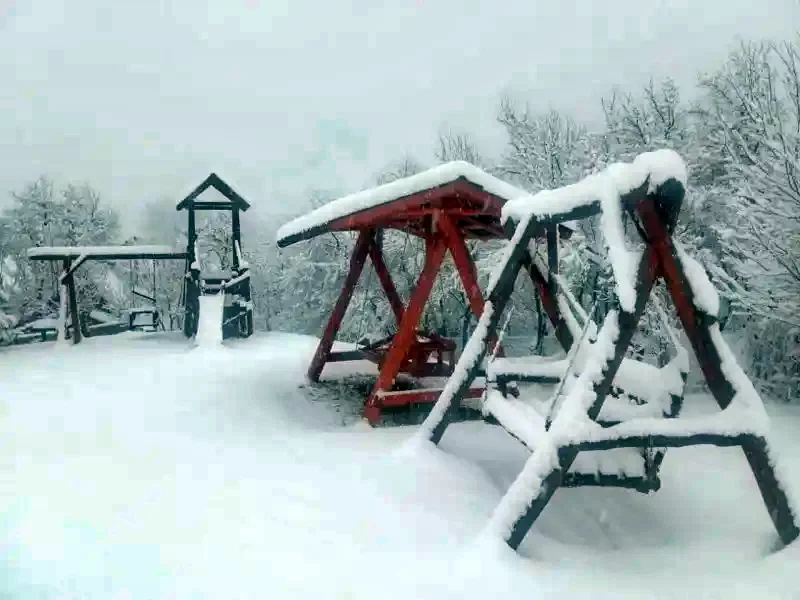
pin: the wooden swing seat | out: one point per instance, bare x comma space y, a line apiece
429, 355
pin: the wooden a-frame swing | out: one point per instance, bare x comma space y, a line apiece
445, 206
651, 195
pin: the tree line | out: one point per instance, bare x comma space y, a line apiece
739, 133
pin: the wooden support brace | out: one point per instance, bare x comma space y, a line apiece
472, 357
547, 293
666, 441
697, 325
376, 255
644, 485
465, 267
69, 281
407, 331
357, 260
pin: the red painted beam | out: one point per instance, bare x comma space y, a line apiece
357, 260
463, 261
465, 267
466, 192
385, 278
407, 331
420, 396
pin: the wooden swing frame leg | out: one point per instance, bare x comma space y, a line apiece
357, 260
465, 266
547, 291
697, 327
385, 278
435, 249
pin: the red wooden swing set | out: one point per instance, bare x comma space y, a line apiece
445, 215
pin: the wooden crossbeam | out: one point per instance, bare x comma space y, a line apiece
385, 278
644, 485
665, 441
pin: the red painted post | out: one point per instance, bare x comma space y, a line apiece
406, 333
463, 261
385, 278
357, 260
465, 267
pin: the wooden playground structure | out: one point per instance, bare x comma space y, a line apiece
586, 433
611, 418
237, 318
445, 207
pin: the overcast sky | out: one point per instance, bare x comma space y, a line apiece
140, 96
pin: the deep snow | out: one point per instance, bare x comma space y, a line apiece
138, 466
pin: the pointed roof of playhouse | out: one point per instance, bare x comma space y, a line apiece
232, 199
467, 193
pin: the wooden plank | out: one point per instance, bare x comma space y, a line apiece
212, 206
644, 485
357, 260
418, 396
665, 441
406, 333
464, 192
347, 356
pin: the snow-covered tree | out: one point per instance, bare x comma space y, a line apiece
753, 105
42, 216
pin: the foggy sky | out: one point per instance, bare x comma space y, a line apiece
142, 97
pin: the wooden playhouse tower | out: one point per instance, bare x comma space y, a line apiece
237, 317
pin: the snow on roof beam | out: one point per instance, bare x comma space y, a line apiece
104, 252
215, 181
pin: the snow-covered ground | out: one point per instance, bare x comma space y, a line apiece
139, 466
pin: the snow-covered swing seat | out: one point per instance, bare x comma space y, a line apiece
639, 390
591, 437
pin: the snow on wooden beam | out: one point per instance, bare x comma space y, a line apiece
665, 441
212, 205
414, 192
644, 485
620, 182
104, 252
215, 181
398, 398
